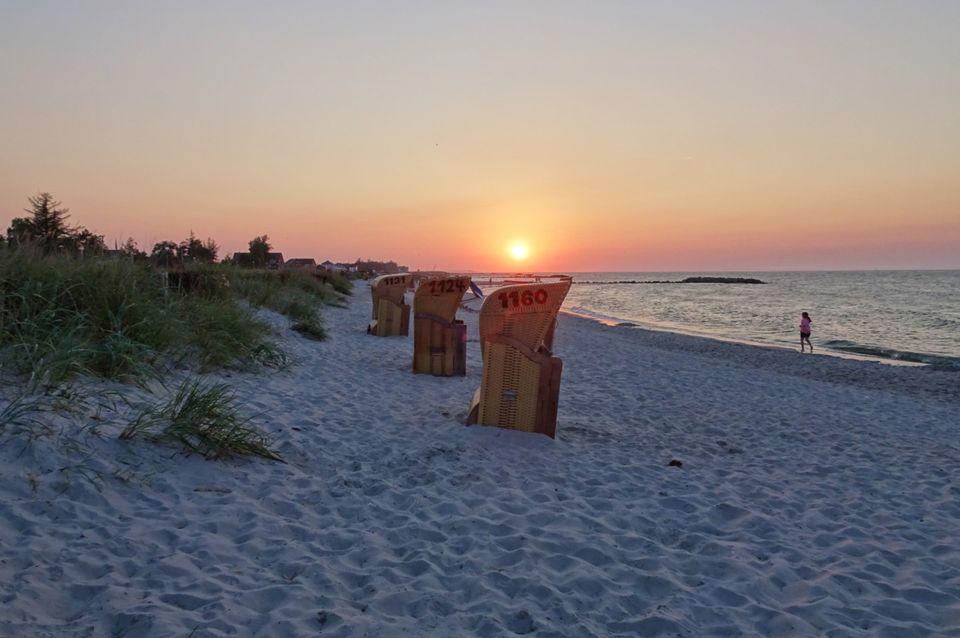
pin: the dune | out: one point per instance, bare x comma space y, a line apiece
808, 496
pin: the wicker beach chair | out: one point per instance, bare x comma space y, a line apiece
439, 339
391, 316
520, 386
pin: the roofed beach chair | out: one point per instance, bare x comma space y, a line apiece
439, 338
520, 385
391, 316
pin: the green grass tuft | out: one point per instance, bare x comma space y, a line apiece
311, 330
20, 415
205, 420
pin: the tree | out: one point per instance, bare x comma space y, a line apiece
210, 249
165, 254
85, 243
192, 249
47, 229
131, 250
47, 226
21, 231
260, 250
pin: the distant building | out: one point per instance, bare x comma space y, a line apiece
301, 262
338, 267
274, 260
370, 267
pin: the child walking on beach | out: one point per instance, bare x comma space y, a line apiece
805, 331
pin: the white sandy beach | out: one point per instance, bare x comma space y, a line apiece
817, 497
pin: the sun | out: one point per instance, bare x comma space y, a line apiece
519, 251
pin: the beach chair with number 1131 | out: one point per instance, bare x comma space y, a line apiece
439, 339
391, 316
520, 385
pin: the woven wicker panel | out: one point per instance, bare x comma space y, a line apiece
528, 396
421, 344
435, 308
391, 287
440, 296
510, 385
388, 318
526, 322
508, 389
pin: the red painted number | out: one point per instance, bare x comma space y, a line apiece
516, 299
447, 285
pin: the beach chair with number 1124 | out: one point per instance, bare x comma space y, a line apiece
439, 339
520, 385
391, 316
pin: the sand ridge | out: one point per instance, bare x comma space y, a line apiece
809, 502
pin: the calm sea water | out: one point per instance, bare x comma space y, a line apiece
910, 316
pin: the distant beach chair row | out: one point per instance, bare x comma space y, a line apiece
520, 382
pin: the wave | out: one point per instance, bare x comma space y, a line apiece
896, 355
586, 313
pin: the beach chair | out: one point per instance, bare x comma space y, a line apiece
391, 316
439, 339
520, 384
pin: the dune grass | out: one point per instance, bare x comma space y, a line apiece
62, 317
205, 420
297, 294
21, 415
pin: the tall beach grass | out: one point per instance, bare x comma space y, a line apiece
64, 316
298, 294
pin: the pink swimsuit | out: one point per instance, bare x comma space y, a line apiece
805, 326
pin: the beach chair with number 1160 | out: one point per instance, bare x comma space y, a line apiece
391, 316
520, 384
439, 339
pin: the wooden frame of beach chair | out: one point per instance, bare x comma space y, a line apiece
520, 385
439, 339
391, 316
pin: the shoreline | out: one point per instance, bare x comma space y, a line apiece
934, 348
813, 498
680, 331
867, 372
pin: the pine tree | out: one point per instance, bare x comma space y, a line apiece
46, 227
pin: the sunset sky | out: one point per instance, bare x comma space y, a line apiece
604, 135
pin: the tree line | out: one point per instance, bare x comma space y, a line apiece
47, 230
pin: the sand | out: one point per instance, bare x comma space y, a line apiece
816, 497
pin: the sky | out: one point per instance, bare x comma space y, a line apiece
603, 136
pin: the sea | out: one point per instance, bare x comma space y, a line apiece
910, 317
